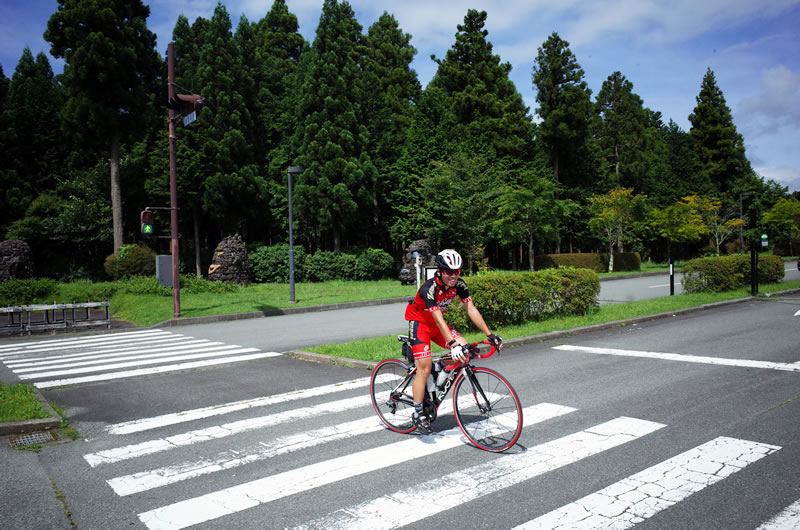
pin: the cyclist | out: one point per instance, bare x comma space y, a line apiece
426, 324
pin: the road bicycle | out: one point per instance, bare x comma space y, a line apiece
485, 405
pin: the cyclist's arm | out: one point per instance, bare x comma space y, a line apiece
476, 317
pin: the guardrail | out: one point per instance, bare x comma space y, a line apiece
45, 317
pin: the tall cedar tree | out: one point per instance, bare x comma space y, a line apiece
684, 175
234, 187
619, 131
335, 192
33, 150
565, 107
109, 74
720, 147
393, 90
278, 49
491, 119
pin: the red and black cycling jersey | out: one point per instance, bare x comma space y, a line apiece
432, 296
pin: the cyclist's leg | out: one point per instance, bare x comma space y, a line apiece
421, 347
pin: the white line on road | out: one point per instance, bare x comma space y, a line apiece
155, 478
654, 286
403, 507
194, 346
97, 354
60, 344
745, 363
243, 496
217, 351
641, 496
215, 432
145, 424
788, 519
150, 371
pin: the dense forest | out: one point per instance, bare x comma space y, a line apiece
461, 162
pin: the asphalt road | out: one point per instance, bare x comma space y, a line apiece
683, 422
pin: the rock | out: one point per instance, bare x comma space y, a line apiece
16, 260
229, 263
408, 272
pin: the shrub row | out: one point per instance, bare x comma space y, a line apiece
270, 264
623, 261
725, 273
516, 298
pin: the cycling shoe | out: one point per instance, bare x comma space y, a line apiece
422, 423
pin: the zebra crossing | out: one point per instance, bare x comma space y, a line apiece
304, 422
77, 360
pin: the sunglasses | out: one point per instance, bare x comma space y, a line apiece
451, 273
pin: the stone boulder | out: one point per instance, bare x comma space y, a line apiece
408, 272
16, 260
229, 263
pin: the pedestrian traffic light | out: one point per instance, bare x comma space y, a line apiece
146, 218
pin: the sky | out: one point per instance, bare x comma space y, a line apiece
664, 47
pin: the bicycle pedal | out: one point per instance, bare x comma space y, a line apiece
422, 423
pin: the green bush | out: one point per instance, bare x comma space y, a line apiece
725, 273
28, 291
86, 291
143, 285
509, 299
270, 264
623, 261
374, 264
131, 260
323, 266
191, 284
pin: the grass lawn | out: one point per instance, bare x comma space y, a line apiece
19, 402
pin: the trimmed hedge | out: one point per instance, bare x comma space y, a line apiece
725, 273
271, 264
623, 261
516, 298
131, 260
28, 291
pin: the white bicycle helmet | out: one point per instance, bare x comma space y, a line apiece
448, 259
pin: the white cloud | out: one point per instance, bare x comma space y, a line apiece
777, 105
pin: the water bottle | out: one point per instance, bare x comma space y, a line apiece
442, 377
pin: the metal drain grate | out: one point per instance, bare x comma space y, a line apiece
31, 439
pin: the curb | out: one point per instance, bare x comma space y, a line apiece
369, 365
38, 424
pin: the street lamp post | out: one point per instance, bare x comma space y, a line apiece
741, 216
293, 170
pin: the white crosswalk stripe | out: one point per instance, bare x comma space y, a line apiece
58, 362
641, 496
788, 519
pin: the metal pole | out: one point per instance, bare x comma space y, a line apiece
741, 217
671, 279
296, 170
173, 187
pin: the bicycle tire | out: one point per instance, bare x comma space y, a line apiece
394, 411
493, 428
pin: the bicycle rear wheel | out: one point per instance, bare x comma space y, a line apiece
487, 410
390, 390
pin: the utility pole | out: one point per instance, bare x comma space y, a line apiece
173, 186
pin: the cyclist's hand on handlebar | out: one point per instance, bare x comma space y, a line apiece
458, 353
494, 340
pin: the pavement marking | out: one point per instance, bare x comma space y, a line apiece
150, 371
654, 286
193, 346
250, 494
788, 519
61, 344
641, 496
221, 431
215, 352
155, 478
745, 363
164, 420
97, 354
403, 507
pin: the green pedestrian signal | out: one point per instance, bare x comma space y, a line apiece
146, 218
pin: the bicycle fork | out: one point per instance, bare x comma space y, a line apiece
483, 402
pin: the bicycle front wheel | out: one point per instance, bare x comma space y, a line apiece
390, 390
487, 410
